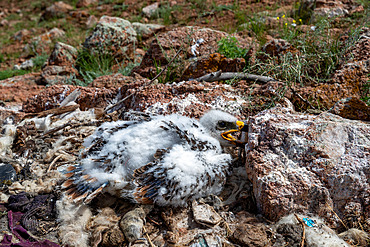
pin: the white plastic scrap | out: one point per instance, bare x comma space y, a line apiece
194, 47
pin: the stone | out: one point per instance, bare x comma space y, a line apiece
275, 47
205, 214
308, 164
114, 36
62, 55
212, 63
85, 3
41, 43
52, 96
22, 34
7, 174
16, 89
91, 21
164, 47
150, 10
57, 10
28, 64
352, 108
147, 30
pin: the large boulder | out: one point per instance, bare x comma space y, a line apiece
114, 36
194, 42
310, 164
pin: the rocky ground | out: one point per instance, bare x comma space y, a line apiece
296, 72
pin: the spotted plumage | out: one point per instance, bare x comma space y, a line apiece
168, 160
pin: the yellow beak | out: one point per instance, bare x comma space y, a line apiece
227, 134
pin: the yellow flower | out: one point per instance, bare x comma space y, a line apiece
293, 21
277, 18
300, 20
283, 16
286, 24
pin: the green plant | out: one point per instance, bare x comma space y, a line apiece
230, 48
39, 60
10, 73
365, 94
92, 65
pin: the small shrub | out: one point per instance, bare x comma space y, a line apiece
229, 47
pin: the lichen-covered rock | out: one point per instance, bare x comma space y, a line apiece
60, 65
41, 43
164, 47
352, 108
112, 35
147, 30
57, 10
309, 164
52, 96
212, 63
63, 55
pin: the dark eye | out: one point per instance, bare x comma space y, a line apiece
221, 125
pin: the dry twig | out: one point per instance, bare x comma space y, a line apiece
143, 86
301, 98
222, 76
303, 228
147, 236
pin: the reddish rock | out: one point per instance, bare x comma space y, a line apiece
17, 89
212, 63
63, 55
41, 43
57, 10
22, 34
276, 47
85, 3
52, 96
308, 164
60, 65
112, 35
352, 108
189, 98
164, 47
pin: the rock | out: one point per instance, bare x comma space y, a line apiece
164, 47
41, 43
352, 108
91, 21
114, 36
4, 23
28, 64
52, 96
212, 63
147, 30
249, 231
132, 224
150, 10
316, 232
60, 65
310, 164
63, 55
16, 89
7, 174
330, 12
204, 214
57, 10
189, 98
21, 34
276, 47
85, 3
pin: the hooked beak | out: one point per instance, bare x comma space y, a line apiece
242, 127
